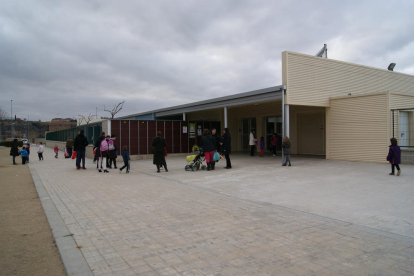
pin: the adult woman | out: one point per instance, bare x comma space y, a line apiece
252, 142
273, 142
158, 145
69, 146
208, 145
226, 147
14, 151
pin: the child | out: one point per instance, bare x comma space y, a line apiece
40, 149
262, 146
28, 152
56, 150
286, 150
394, 156
24, 154
125, 156
111, 152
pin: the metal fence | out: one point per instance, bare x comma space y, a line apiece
91, 132
403, 126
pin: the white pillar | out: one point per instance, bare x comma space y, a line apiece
225, 116
183, 116
109, 127
287, 123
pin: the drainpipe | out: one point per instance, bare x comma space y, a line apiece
225, 116
283, 119
184, 116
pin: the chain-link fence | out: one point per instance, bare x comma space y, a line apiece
403, 126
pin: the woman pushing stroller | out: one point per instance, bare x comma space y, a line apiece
208, 144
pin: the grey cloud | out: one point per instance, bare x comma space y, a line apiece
71, 56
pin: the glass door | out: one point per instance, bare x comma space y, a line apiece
274, 125
247, 125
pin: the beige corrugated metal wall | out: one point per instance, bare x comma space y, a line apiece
311, 127
358, 128
313, 80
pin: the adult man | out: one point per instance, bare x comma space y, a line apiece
79, 146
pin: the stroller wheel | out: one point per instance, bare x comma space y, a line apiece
194, 168
187, 168
203, 167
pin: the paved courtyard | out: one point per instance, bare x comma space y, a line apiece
318, 217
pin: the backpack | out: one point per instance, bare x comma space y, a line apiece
111, 144
104, 145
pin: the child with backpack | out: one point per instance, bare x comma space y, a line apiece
111, 152
126, 158
262, 146
103, 153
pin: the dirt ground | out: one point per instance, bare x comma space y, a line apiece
27, 245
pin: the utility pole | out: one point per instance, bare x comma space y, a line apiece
11, 119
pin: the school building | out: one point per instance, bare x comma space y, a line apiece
326, 107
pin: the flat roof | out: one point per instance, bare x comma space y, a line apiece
270, 93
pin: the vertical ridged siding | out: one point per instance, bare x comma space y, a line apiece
312, 81
358, 128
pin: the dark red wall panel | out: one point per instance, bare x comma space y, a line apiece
142, 136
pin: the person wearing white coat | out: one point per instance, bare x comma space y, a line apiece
252, 142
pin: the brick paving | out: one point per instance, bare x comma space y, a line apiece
144, 223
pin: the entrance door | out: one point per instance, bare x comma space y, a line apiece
247, 125
311, 128
274, 125
404, 134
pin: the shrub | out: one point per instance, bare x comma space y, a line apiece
9, 143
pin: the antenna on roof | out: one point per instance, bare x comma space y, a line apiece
323, 53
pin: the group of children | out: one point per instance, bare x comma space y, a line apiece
25, 152
106, 152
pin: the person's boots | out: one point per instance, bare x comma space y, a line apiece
209, 166
165, 167
212, 165
115, 167
158, 169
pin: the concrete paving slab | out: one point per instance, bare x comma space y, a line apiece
256, 219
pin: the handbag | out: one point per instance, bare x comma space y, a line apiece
216, 156
165, 151
74, 154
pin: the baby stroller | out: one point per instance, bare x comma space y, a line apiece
195, 159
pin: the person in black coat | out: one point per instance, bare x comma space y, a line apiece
14, 151
79, 146
208, 144
216, 137
226, 147
158, 145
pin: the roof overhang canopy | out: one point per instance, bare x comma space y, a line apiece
261, 95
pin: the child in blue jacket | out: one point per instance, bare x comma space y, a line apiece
24, 154
126, 158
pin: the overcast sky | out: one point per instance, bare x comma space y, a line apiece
64, 58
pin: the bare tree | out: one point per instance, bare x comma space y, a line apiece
116, 109
3, 115
86, 119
